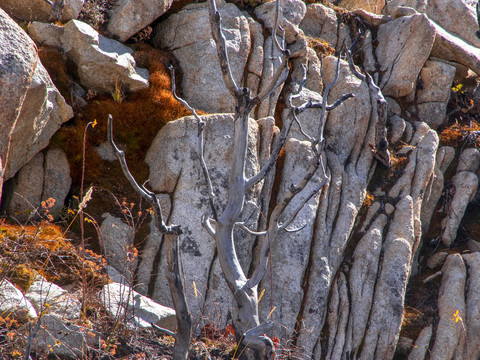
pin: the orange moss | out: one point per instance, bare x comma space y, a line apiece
45, 234
42, 249
55, 63
137, 119
321, 47
454, 135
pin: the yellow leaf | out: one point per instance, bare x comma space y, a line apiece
195, 289
261, 295
271, 312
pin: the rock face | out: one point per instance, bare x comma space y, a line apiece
42, 178
102, 63
321, 22
63, 338
59, 301
128, 16
339, 282
117, 241
46, 33
28, 189
57, 180
456, 17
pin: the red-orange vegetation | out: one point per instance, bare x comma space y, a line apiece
137, 119
28, 250
456, 134
55, 63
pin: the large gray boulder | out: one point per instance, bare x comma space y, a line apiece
456, 17
102, 63
321, 22
57, 180
175, 169
117, 242
453, 48
465, 184
18, 61
404, 44
472, 321
46, 33
128, 17
27, 190
63, 338
451, 309
52, 299
42, 178
188, 35
44, 110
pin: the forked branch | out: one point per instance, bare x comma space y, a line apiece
184, 320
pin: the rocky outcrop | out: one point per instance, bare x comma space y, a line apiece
358, 242
432, 98
128, 17
175, 169
102, 63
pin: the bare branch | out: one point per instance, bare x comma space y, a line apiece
208, 226
295, 117
254, 339
221, 43
142, 191
242, 226
277, 79
184, 320
279, 209
296, 229
277, 147
201, 141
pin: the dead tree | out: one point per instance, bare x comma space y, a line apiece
221, 223
171, 233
